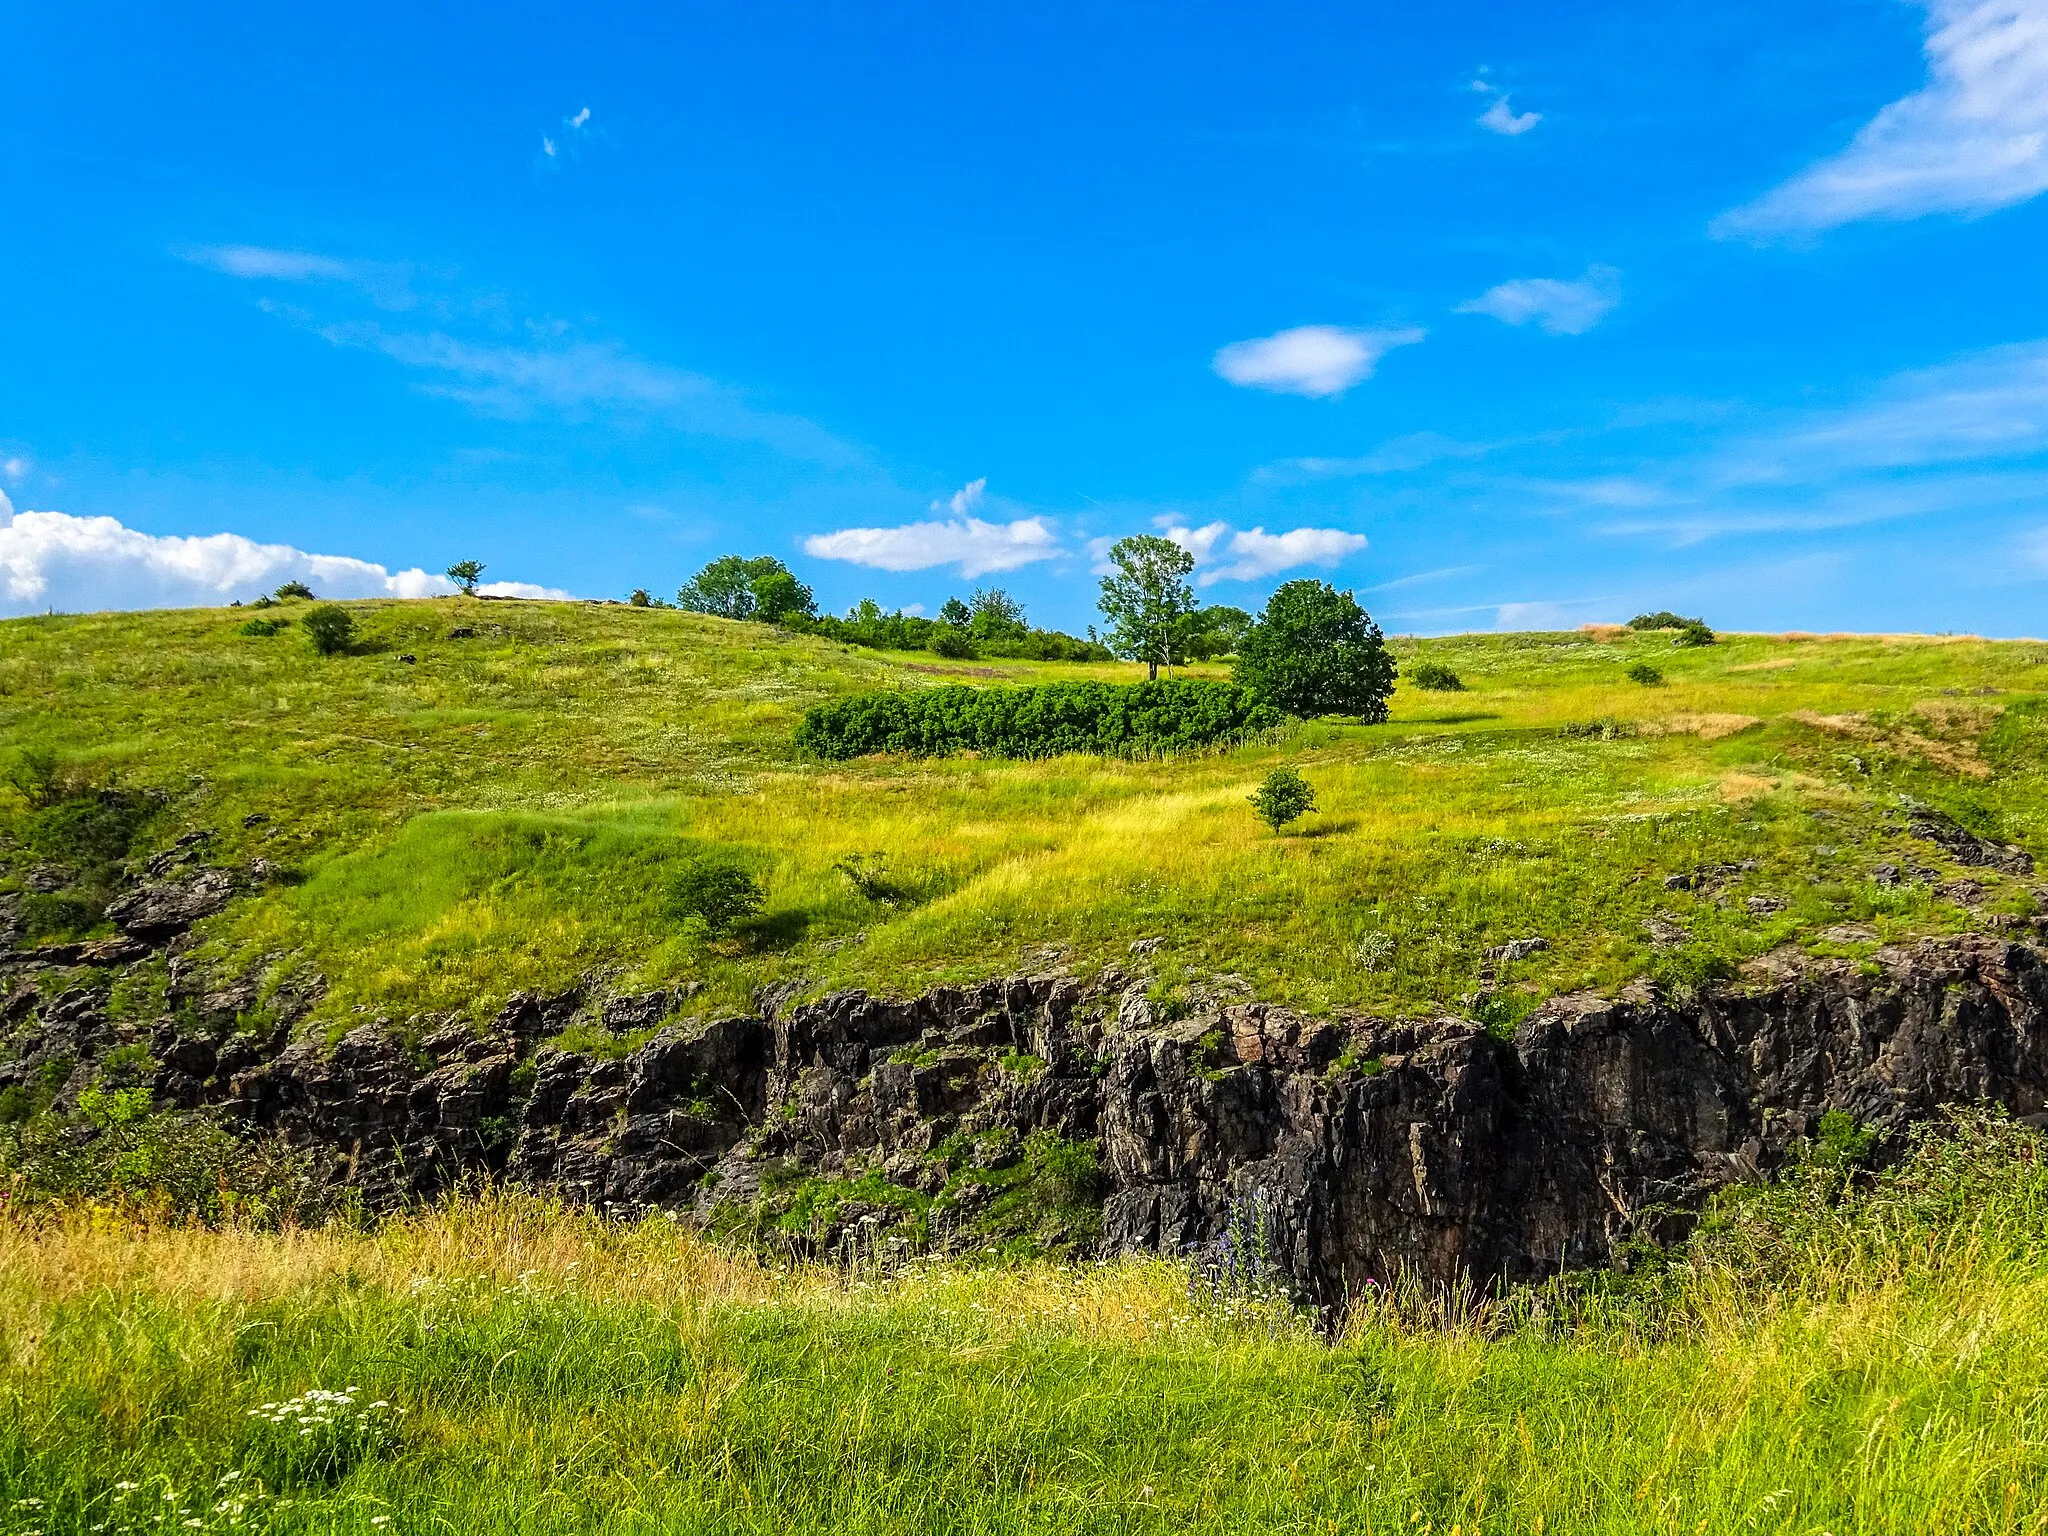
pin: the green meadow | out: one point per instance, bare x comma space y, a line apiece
1814, 1363
509, 809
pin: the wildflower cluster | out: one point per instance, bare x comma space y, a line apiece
237, 1502
322, 1434
1241, 1277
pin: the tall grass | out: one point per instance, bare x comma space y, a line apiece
1835, 1354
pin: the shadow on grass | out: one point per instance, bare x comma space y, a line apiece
1466, 719
1332, 826
773, 930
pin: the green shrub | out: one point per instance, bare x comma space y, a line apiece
186, 1166
1663, 618
1108, 719
951, 643
258, 629
58, 914
1284, 797
1433, 678
293, 589
868, 873
331, 629
1642, 672
1694, 633
716, 894
42, 778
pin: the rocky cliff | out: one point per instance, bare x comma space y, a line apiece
1039, 1107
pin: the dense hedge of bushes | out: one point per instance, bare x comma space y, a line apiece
1106, 718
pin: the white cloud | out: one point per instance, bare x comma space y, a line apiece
975, 546
547, 146
387, 284
519, 589
966, 499
1504, 119
255, 261
1223, 553
15, 467
1560, 308
89, 564
1316, 360
1974, 138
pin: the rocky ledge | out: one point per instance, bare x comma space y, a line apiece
1366, 1147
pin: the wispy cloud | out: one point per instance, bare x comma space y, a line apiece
972, 545
1972, 139
1224, 553
1558, 307
1424, 578
75, 564
582, 378
387, 284
569, 138
547, 369
1314, 360
1971, 433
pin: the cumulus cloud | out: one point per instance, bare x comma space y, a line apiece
1503, 119
1314, 360
1558, 308
961, 539
87, 564
966, 499
1224, 553
1973, 138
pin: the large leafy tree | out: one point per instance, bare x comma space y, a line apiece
1216, 630
733, 587
1147, 599
1314, 651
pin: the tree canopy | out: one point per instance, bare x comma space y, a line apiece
1147, 599
734, 587
1314, 651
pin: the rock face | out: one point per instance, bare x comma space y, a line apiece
1370, 1147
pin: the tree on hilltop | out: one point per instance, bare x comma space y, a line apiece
1314, 651
466, 574
734, 587
995, 615
1147, 599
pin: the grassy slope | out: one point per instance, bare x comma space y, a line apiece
507, 812
562, 1374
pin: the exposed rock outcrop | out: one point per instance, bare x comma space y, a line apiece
1370, 1146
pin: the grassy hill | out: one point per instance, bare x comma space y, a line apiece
508, 808
1840, 1350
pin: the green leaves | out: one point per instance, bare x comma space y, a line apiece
1285, 796
1107, 719
1314, 651
332, 630
1146, 598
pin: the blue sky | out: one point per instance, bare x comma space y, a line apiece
1503, 316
